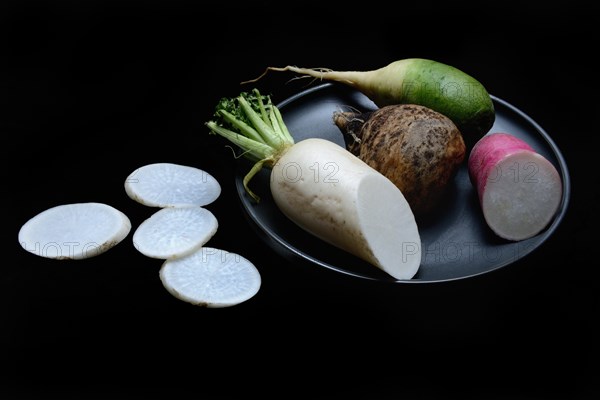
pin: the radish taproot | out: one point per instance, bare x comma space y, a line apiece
441, 87
519, 190
414, 146
347, 204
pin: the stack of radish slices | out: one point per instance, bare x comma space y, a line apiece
177, 233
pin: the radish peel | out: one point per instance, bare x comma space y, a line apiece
519, 190
325, 189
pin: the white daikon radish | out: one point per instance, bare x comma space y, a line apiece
211, 278
172, 185
519, 190
348, 204
74, 231
323, 188
175, 232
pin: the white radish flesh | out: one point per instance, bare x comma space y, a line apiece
519, 190
211, 277
74, 231
172, 185
175, 232
337, 197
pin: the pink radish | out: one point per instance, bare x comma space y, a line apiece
519, 189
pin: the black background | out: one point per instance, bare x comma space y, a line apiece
92, 90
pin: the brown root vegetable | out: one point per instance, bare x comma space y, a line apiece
415, 147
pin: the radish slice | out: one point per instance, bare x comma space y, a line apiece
74, 231
211, 278
175, 232
519, 190
171, 185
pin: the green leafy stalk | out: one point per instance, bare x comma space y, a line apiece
255, 125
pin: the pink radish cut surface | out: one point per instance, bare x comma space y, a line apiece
519, 189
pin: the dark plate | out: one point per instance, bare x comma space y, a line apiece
456, 241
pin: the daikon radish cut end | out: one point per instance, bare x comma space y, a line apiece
175, 232
521, 195
172, 185
74, 231
389, 227
211, 278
